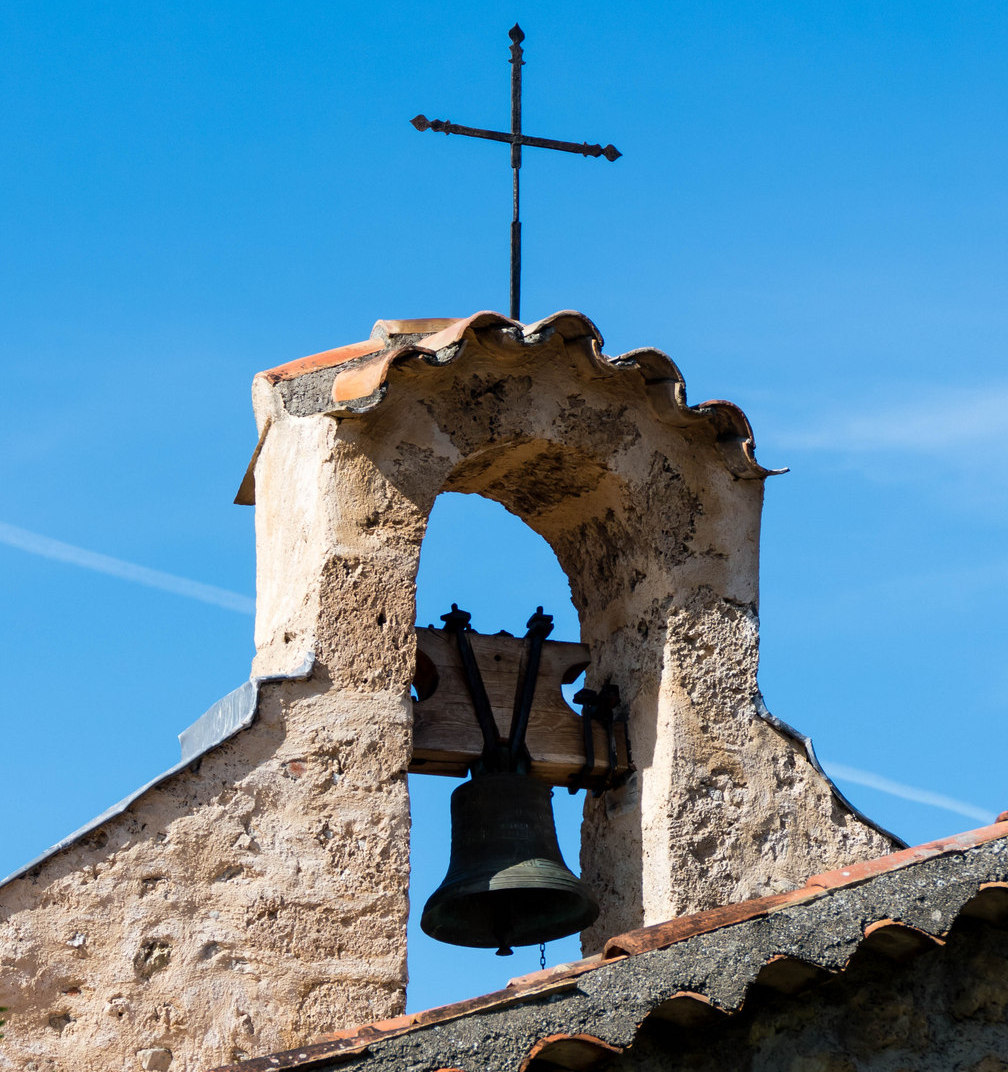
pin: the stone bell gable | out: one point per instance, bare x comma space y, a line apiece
256, 895
653, 509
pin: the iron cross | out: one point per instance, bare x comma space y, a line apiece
516, 139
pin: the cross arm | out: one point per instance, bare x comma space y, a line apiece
443, 126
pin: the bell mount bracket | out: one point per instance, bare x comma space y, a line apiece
513, 755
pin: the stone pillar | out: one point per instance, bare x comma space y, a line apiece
337, 551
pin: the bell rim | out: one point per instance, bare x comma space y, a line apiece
455, 933
489, 901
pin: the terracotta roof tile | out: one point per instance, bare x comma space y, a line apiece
897, 940
790, 975
574, 1052
686, 1008
362, 383
388, 328
325, 359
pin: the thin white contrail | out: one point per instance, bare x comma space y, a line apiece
35, 544
907, 792
937, 420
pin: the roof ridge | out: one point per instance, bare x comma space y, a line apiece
354, 379
787, 972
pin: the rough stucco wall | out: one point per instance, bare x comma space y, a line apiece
945, 1010
660, 544
236, 909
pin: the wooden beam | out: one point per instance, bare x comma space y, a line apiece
446, 735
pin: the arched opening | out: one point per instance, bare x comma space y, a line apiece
492, 564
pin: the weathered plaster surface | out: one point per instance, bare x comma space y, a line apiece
659, 538
230, 910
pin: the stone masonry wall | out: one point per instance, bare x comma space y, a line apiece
238, 908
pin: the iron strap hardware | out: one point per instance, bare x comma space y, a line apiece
513, 756
603, 707
457, 622
539, 627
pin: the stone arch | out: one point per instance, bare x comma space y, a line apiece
653, 510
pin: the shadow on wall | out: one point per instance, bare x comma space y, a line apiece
493, 565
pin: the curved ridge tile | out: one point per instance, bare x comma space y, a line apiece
360, 381
897, 941
790, 975
654, 365
685, 1008
569, 324
574, 1052
362, 387
481, 321
989, 903
326, 359
386, 329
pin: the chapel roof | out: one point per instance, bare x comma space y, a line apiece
354, 379
692, 972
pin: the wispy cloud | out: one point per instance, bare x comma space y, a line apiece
841, 772
36, 544
940, 420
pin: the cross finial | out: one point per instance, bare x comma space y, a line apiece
516, 139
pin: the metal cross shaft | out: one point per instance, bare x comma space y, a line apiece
516, 139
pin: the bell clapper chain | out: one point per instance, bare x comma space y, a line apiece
542, 955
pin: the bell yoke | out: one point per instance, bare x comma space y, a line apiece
507, 883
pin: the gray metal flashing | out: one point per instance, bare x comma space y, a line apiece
228, 716
233, 712
806, 742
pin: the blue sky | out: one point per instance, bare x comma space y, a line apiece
809, 216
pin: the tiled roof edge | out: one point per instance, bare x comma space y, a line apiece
361, 385
662, 935
572, 982
354, 379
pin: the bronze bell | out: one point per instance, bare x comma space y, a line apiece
507, 883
